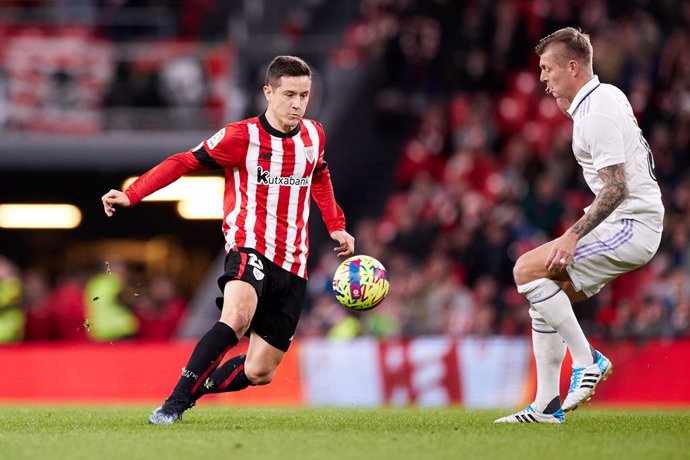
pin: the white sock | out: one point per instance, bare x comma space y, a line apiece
554, 306
549, 350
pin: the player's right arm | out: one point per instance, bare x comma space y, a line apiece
112, 198
165, 173
223, 150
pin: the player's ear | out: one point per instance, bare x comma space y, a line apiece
268, 92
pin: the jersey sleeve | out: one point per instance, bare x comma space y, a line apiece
322, 189
603, 139
227, 148
164, 173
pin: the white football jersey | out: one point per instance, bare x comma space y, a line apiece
605, 132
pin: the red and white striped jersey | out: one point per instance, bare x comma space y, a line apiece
269, 179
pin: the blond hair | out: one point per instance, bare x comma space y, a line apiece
576, 42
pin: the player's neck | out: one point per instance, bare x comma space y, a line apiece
275, 124
582, 81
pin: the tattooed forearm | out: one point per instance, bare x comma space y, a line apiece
613, 193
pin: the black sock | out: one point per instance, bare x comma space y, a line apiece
207, 354
228, 377
553, 406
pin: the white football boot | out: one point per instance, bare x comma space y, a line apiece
584, 381
530, 415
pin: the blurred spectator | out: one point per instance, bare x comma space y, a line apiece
65, 310
108, 317
542, 205
12, 317
159, 308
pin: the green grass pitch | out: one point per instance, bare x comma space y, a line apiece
210, 432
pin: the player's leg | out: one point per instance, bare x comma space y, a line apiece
549, 351
584, 380
273, 327
612, 249
262, 361
238, 308
257, 367
240, 298
541, 288
553, 322
239, 305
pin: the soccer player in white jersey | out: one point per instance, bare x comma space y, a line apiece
273, 164
619, 232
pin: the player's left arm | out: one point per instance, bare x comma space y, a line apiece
614, 192
333, 216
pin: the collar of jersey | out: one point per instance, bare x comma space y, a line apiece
275, 132
581, 95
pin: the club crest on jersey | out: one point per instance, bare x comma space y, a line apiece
215, 139
309, 152
258, 274
264, 177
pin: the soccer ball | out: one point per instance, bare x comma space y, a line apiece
360, 283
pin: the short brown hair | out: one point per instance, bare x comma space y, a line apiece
286, 66
576, 42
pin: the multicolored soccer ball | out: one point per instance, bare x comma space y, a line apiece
360, 283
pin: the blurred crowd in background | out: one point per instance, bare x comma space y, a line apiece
114, 301
486, 173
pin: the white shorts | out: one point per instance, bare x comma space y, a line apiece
608, 251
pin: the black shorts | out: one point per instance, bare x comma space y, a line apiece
280, 294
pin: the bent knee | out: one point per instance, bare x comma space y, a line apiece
523, 272
259, 376
238, 319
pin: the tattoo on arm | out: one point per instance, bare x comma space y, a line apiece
613, 193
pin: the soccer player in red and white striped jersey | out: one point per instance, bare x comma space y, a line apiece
274, 164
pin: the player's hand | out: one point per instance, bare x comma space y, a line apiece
347, 243
562, 252
112, 198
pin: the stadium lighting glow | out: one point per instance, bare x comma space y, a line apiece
39, 216
199, 197
197, 209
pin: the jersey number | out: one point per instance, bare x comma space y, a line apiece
645, 144
650, 158
255, 262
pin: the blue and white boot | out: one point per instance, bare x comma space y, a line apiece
584, 381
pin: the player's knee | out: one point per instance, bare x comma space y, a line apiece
237, 318
521, 271
259, 375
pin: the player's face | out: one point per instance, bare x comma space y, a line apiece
287, 101
556, 73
